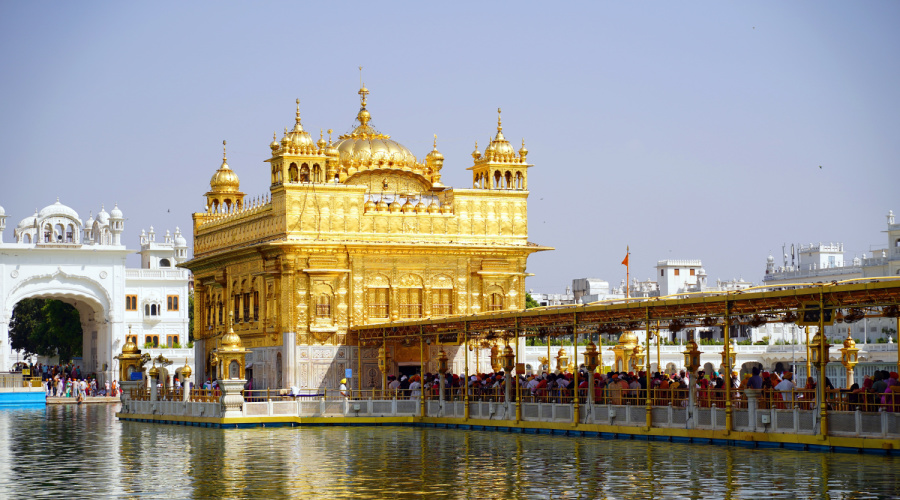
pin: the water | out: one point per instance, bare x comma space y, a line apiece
84, 452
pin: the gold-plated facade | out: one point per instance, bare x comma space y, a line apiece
355, 232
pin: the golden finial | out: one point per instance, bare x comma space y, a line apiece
329, 136
275, 135
321, 135
435, 141
298, 110
224, 151
499, 122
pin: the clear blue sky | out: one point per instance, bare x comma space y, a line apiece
685, 130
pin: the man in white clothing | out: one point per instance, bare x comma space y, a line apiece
786, 386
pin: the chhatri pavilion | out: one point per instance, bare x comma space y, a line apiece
357, 231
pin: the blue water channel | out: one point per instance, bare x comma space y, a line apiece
83, 451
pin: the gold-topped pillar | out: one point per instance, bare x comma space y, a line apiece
576, 415
649, 408
727, 360
849, 357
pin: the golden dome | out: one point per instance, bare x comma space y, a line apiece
369, 206
224, 180
321, 144
395, 205
446, 208
297, 139
628, 337
476, 154
130, 347
499, 146
274, 144
154, 372
435, 154
382, 205
420, 206
231, 340
186, 371
433, 207
849, 343
409, 206
523, 152
366, 146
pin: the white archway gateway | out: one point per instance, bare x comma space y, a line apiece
57, 256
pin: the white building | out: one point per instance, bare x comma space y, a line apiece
825, 262
57, 256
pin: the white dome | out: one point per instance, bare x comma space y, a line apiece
2, 212
27, 222
116, 213
103, 217
56, 210
179, 239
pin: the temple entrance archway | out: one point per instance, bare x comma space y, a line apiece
90, 299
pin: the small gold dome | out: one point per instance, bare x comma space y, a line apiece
274, 144
561, 352
849, 342
435, 155
382, 205
628, 337
231, 340
130, 347
186, 371
446, 208
321, 143
154, 372
434, 207
395, 205
409, 206
523, 152
369, 206
420, 206
224, 180
298, 138
476, 154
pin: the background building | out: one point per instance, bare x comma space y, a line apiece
56, 255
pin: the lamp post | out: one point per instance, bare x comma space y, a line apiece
442, 375
591, 361
562, 360
819, 350
508, 359
382, 365
849, 357
691, 363
185, 378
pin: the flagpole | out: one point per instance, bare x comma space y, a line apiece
627, 271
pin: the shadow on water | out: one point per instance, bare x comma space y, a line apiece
84, 451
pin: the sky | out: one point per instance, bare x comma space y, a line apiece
716, 131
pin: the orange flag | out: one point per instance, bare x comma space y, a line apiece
625, 262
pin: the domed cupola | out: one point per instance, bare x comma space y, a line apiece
435, 162
58, 223
366, 149
299, 140
224, 180
224, 188
499, 148
499, 167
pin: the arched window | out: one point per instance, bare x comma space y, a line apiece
146, 309
48, 233
497, 178
279, 370
441, 301
316, 173
304, 173
508, 179
27, 238
379, 302
519, 179
496, 302
410, 302
165, 263
323, 306
70, 234
153, 310
292, 173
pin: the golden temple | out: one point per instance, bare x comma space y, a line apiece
354, 232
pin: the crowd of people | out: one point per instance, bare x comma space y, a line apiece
879, 392
68, 381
